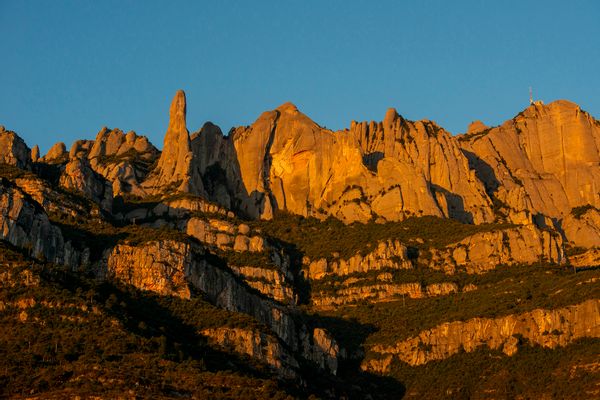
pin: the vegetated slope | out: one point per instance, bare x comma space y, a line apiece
66, 335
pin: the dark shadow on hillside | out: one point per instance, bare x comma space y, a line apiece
372, 159
456, 205
483, 171
96, 242
145, 314
352, 380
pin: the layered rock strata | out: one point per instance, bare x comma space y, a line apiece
484, 251
547, 328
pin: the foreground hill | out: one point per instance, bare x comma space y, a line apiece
287, 260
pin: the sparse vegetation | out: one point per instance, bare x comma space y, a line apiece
580, 211
506, 290
81, 337
332, 238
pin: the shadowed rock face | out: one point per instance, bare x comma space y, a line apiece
174, 170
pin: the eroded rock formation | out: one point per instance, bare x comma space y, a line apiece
548, 328
13, 149
175, 171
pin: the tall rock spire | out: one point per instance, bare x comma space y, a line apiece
174, 171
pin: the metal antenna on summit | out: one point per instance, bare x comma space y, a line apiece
530, 96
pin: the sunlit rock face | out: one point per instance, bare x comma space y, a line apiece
389, 170
545, 160
547, 328
13, 149
174, 171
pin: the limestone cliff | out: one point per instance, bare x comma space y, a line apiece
390, 254
24, 224
175, 268
544, 160
548, 328
258, 345
353, 291
484, 251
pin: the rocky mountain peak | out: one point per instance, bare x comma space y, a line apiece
174, 170
476, 126
177, 112
288, 107
35, 153
56, 153
390, 116
13, 149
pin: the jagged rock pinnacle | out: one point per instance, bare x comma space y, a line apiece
35, 153
175, 164
390, 116
177, 148
177, 114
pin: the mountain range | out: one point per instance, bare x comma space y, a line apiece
283, 259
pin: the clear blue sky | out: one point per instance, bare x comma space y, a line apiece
70, 67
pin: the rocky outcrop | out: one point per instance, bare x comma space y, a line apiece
35, 153
215, 161
272, 278
56, 202
123, 159
588, 259
390, 254
286, 161
174, 268
547, 328
80, 177
56, 155
156, 266
423, 153
583, 230
484, 251
476, 126
24, 224
13, 150
389, 170
544, 160
80, 149
257, 345
175, 170
322, 350
375, 292
275, 282
173, 207
225, 235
